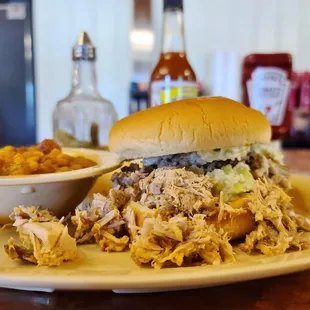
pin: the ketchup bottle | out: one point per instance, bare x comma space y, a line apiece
266, 82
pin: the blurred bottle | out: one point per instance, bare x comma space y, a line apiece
302, 107
83, 118
300, 101
266, 85
138, 97
173, 77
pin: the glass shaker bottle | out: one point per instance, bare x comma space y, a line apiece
83, 118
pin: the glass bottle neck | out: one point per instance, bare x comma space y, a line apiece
84, 80
173, 31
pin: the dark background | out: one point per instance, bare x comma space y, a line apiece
17, 92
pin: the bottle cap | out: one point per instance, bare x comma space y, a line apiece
173, 4
83, 49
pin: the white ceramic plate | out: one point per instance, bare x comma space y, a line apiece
95, 270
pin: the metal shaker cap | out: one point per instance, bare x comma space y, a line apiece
83, 49
173, 4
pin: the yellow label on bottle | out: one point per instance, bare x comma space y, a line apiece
178, 93
162, 92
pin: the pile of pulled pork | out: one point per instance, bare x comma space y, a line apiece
161, 208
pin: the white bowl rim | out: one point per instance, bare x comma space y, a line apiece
110, 162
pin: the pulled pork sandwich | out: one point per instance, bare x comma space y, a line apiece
203, 174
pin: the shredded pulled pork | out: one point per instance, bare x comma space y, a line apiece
180, 240
134, 215
177, 190
276, 231
23, 214
174, 209
170, 199
169, 224
101, 221
44, 240
266, 167
128, 180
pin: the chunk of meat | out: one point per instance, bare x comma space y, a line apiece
179, 240
275, 231
109, 242
265, 167
42, 239
180, 189
128, 180
15, 251
33, 213
100, 221
97, 211
130, 175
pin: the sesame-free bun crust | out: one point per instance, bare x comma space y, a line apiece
188, 125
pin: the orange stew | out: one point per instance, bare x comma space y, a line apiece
45, 157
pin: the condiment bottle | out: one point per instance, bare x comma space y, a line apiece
173, 77
302, 110
83, 118
266, 85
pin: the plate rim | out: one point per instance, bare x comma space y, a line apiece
161, 280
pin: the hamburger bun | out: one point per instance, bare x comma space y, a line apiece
189, 125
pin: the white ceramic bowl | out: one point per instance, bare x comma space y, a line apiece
59, 192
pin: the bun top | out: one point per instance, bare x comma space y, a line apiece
189, 125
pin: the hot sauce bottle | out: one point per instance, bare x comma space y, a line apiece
266, 82
173, 77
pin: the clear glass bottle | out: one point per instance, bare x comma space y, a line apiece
83, 118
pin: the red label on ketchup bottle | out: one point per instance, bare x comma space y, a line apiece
266, 86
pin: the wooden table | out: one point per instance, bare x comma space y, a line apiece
298, 161
290, 292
